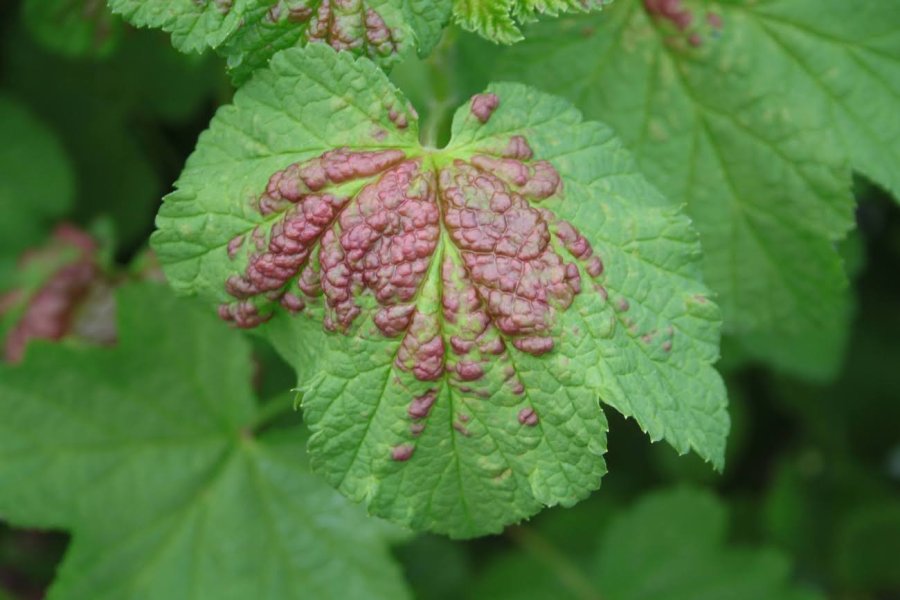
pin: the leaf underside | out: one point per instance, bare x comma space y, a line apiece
455, 314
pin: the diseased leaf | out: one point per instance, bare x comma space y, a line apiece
698, 91
670, 546
150, 453
455, 314
498, 20
59, 289
249, 32
36, 181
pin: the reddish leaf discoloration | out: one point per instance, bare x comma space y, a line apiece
484, 105
385, 244
689, 28
527, 416
75, 298
307, 213
402, 452
422, 349
504, 282
242, 314
507, 255
421, 405
342, 24
670, 10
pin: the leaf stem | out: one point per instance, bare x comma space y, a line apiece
568, 574
271, 411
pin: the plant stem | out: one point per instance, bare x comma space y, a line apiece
271, 411
568, 574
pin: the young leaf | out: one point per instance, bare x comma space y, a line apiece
453, 314
497, 20
671, 545
150, 454
698, 90
249, 32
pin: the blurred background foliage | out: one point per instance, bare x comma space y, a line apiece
96, 120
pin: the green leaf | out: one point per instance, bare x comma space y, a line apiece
73, 28
451, 328
249, 32
761, 165
151, 453
848, 57
37, 184
427, 19
498, 20
670, 546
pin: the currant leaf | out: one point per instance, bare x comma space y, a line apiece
151, 453
671, 544
498, 20
697, 90
453, 314
249, 32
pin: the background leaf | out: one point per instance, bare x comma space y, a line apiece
37, 184
152, 454
671, 545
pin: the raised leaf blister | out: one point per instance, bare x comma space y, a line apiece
454, 314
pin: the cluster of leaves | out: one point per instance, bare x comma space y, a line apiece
171, 452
